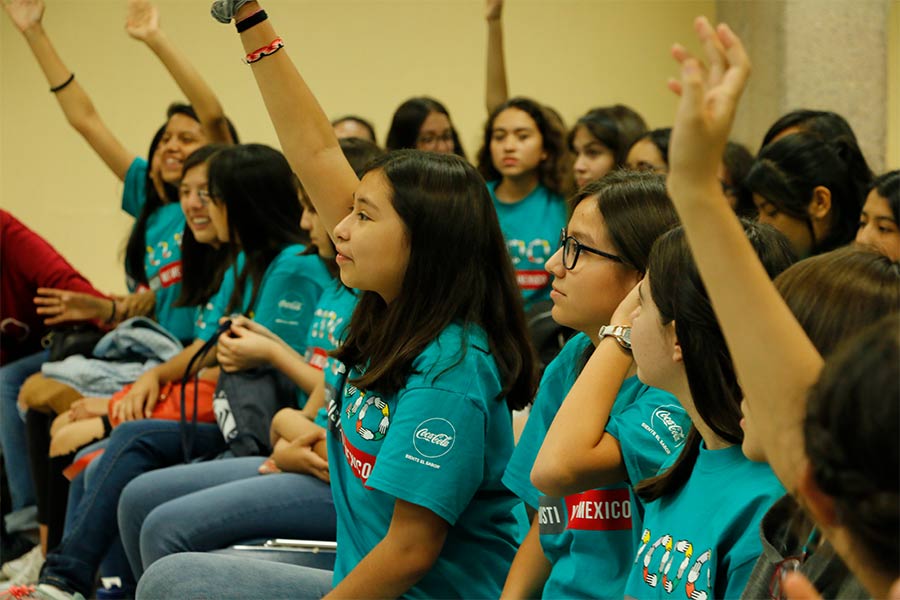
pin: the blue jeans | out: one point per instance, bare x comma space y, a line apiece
195, 575
211, 505
12, 433
134, 448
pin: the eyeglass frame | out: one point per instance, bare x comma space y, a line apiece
579, 247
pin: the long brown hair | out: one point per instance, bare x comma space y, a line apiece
459, 272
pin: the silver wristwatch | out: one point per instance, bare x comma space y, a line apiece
621, 333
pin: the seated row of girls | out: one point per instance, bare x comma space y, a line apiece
153, 253
820, 423
269, 278
167, 511
442, 353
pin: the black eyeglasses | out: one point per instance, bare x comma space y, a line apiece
572, 249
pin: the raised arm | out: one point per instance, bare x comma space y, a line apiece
306, 136
578, 454
496, 88
775, 361
143, 24
75, 103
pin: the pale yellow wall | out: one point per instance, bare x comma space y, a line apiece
362, 56
892, 158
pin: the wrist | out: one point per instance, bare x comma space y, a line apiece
154, 38
246, 10
34, 30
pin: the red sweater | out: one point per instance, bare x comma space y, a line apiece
28, 262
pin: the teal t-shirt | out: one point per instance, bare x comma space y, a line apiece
531, 228
326, 332
442, 442
288, 295
590, 537
703, 540
209, 314
162, 261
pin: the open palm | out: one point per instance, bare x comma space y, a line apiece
24, 13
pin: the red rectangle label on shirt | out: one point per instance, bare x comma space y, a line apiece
532, 280
599, 510
170, 274
360, 462
317, 357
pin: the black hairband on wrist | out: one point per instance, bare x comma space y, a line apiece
254, 19
63, 84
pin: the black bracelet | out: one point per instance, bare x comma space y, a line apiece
254, 19
63, 84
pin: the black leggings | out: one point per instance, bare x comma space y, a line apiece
50, 486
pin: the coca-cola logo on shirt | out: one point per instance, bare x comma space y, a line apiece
434, 437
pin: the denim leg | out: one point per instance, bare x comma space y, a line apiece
153, 489
194, 575
78, 485
12, 428
134, 447
278, 505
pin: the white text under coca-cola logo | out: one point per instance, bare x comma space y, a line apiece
434, 437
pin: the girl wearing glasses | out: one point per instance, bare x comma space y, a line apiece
420, 392
524, 161
573, 549
423, 123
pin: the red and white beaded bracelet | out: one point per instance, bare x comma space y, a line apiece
259, 54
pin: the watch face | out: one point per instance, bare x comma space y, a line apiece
626, 337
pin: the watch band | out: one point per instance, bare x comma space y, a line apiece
621, 334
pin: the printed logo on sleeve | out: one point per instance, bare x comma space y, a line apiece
289, 309
434, 437
664, 428
599, 510
551, 515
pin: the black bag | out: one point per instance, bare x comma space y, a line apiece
245, 402
63, 342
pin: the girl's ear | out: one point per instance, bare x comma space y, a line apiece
677, 356
819, 504
820, 204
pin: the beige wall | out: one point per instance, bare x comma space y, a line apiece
892, 157
359, 56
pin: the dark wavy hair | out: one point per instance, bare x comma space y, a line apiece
658, 137
259, 190
202, 265
680, 296
407, 122
365, 124
888, 187
450, 220
617, 127
553, 172
850, 432
825, 124
636, 210
787, 172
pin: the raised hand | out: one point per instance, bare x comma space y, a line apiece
25, 14
64, 306
709, 96
142, 20
493, 9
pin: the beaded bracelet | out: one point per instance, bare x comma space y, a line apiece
254, 19
63, 84
259, 54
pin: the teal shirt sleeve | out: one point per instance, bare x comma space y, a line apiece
558, 378
134, 196
441, 473
288, 298
650, 430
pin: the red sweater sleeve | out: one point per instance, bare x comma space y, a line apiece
27, 262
